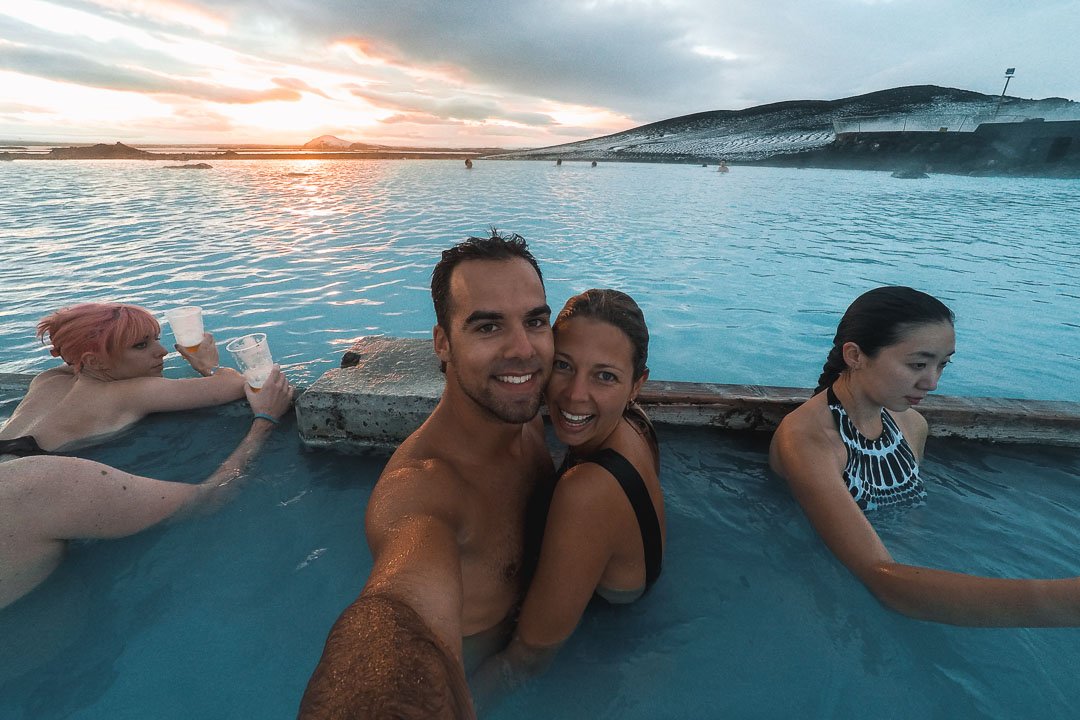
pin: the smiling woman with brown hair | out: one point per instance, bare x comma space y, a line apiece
605, 527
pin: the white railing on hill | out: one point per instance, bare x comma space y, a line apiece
920, 123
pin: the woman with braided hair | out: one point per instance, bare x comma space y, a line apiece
855, 446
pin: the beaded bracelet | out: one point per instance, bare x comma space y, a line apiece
264, 416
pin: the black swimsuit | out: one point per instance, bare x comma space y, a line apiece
21, 446
638, 494
882, 472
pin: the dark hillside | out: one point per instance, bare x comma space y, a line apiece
776, 132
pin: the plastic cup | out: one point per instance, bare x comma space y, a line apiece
187, 326
252, 356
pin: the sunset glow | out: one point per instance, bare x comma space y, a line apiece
458, 75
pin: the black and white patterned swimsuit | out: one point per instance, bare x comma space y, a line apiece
879, 473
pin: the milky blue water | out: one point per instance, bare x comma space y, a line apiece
742, 277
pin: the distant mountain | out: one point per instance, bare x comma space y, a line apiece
798, 126
326, 142
332, 143
101, 151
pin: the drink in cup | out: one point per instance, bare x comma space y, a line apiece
187, 326
252, 355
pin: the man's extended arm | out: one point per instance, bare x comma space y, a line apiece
396, 651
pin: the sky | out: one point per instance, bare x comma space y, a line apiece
490, 73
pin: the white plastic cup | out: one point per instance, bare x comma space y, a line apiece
252, 356
187, 326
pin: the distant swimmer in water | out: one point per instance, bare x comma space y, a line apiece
110, 380
468, 164
559, 161
722, 167
855, 446
594, 163
47, 501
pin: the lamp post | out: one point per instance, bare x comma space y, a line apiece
1009, 72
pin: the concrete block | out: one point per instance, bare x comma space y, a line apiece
392, 384
386, 389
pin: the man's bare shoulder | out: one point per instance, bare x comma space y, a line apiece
417, 482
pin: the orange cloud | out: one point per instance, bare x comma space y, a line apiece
299, 85
170, 12
371, 52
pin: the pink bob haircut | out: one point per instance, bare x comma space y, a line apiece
106, 329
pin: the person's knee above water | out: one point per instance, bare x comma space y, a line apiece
855, 446
605, 528
446, 520
112, 377
47, 501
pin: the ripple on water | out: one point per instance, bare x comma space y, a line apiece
741, 277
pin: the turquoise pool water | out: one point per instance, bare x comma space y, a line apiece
742, 277
224, 616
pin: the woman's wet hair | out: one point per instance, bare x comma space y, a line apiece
877, 319
618, 309
105, 329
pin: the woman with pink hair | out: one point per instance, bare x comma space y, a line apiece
111, 379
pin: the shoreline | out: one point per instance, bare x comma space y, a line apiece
831, 157
232, 155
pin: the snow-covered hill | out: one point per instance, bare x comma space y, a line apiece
782, 128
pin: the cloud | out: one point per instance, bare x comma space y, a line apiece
418, 119
164, 14
18, 107
298, 85
544, 69
454, 107
652, 59
78, 69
